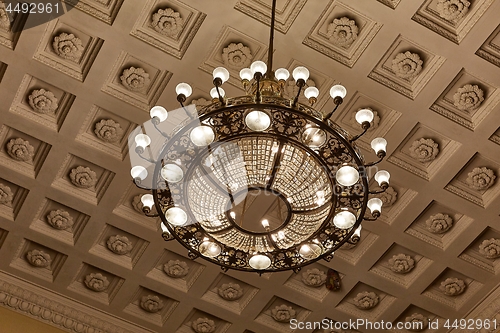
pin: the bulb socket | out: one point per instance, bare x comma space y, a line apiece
181, 98
300, 83
217, 82
376, 214
338, 100
146, 210
139, 150
384, 185
381, 154
365, 125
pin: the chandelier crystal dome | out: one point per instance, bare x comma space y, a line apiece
259, 182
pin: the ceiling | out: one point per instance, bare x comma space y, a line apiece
63, 80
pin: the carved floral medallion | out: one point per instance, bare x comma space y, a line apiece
401, 263
96, 282
59, 219
314, 277
283, 313
38, 258
83, 177
452, 10
424, 150
42, 101
135, 79
439, 223
237, 56
389, 197
468, 98
68, 46
108, 130
453, 286
167, 22
151, 303
119, 244
342, 32
480, 179
20, 150
6, 194
366, 300
419, 322
203, 325
176, 268
490, 248
407, 65
230, 291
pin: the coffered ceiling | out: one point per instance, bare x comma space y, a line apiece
76, 253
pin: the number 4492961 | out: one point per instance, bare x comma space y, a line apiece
33, 8
471, 324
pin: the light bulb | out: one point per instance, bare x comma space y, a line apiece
265, 223
300, 73
176, 216
375, 205
202, 136
183, 89
344, 219
338, 91
259, 261
310, 251
232, 214
258, 67
357, 232
311, 92
281, 235
347, 175
139, 172
382, 176
209, 249
313, 137
257, 121
142, 140
172, 173
160, 112
214, 95
164, 228
246, 74
221, 73
364, 115
282, 74
147, 200
379, 145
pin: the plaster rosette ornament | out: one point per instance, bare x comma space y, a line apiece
38, 258
468, 98
119, 244
490, 248
59, 219
135, 79
342, 32
137, 203
83, 177
108, 130
20, 150
424, 150
237, 56
366, 300
314, 277
373, 124
68, 46
283, 313
453, 286
439, 223
42, 101
167, 22
6, 194
230, 291
452, 10
401, 263
201, 102
407, 65
203, 325
176, 269
389, 197
96, 282
4, 18
419, 322
151, 303
480, 179
291, 88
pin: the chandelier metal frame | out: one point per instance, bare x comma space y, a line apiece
323, 215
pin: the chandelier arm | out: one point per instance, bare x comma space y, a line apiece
381, 158
156, 122
271, 240
378, 191
331, 112
167, 236
221, 99
269, 72
359, 135
140, 152
257, 78
300, 83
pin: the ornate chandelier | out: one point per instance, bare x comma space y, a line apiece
258, 182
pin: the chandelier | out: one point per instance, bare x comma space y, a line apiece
259, 182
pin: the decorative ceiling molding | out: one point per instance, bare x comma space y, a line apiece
105, 11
